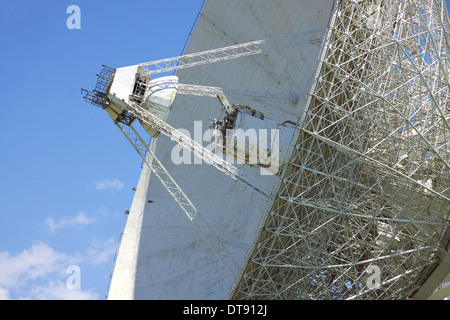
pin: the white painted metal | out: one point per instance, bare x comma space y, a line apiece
208, 91
160, 96
233, 52
200, 151
179, 196
365, 182
124, 79
158, 99
256, 142
161, 256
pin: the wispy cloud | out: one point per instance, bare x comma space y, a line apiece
77, 220
112, 185
38, 273
37, 261
4, 294
101, 251
41, 272
57, 290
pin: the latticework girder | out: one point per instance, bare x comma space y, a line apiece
188, 208
367, 180
231, 52
208, 91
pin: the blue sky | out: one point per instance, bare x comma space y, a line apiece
66, 172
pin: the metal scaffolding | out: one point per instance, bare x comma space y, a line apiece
363, 207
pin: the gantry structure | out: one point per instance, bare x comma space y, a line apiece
361, 206
366, 186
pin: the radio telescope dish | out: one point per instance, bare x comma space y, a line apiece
359, 207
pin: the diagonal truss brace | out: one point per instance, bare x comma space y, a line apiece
233, 52
208, 91
186, 142
179, 196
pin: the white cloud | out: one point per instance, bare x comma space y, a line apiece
41, 272
37, 273
30, 264
101, 251
113, 185
4, 294
59, 291
77, 220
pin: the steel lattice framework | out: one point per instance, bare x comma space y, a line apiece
367, 179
